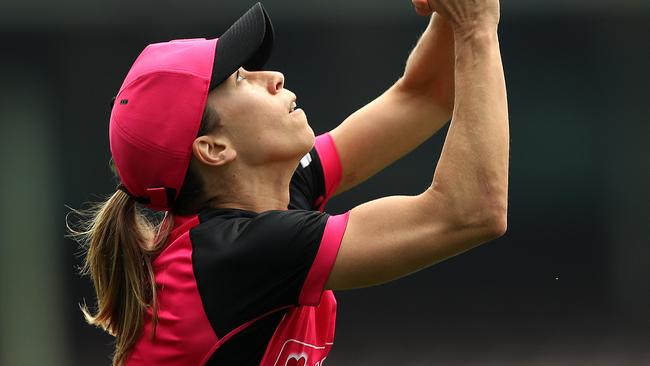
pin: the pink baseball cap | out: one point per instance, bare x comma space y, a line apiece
157, 112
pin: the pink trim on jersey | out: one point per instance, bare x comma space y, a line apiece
181, 225
320, 270
184, 334
331, 163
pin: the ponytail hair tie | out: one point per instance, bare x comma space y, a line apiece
142, 200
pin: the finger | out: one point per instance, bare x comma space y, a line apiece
421, 5
423, 11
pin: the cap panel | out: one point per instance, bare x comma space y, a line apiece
162, 110
157, 114
262, 55
248, 43
154, 122
138, 164
194, 56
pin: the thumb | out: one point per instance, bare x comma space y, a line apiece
422, 7
421, 4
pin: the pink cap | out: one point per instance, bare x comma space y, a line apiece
158, 109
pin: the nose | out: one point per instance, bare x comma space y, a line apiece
274, 81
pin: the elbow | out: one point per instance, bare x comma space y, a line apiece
488, 220
492, 218
437, 91
496, 224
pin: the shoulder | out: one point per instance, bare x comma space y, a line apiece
290, 223
228, 226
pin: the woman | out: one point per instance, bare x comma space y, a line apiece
240, 270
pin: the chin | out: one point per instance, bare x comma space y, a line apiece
310, 138
303, 144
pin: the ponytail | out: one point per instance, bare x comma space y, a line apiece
120, 242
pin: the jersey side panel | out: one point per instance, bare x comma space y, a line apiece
183, 335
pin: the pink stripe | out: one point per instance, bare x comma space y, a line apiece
235, 331
331, 162
320, 270
183, 334
182, 224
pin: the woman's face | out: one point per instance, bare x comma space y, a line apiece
258, 117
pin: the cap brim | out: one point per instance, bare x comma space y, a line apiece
247, 43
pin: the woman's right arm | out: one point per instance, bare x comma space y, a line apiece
466, 203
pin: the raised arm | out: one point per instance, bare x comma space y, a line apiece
467, 201
404, 116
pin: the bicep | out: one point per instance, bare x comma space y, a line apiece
391, 237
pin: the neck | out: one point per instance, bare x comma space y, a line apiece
256, 189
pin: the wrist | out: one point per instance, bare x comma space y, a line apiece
475, 32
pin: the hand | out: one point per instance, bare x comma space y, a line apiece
461, 14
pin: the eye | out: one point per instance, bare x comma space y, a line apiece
239, 77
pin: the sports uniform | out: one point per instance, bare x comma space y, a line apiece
240, 288
234, 287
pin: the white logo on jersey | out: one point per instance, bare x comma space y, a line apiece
305, 161
301, 357
297, 360
301, 360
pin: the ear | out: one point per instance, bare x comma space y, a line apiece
213, 150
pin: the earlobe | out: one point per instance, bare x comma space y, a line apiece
211, 151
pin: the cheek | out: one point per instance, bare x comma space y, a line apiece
260, 116
263, 130
255, 141
279, 144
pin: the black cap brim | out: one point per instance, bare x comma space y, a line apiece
247, 43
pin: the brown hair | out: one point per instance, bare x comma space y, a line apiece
121, 240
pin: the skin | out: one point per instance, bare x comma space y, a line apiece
248, 162
454, 71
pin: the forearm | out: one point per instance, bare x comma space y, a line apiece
406, 115
472, 173
429, 69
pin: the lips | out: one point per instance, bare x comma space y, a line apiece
292, 106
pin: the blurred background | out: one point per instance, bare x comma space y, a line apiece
568, 284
